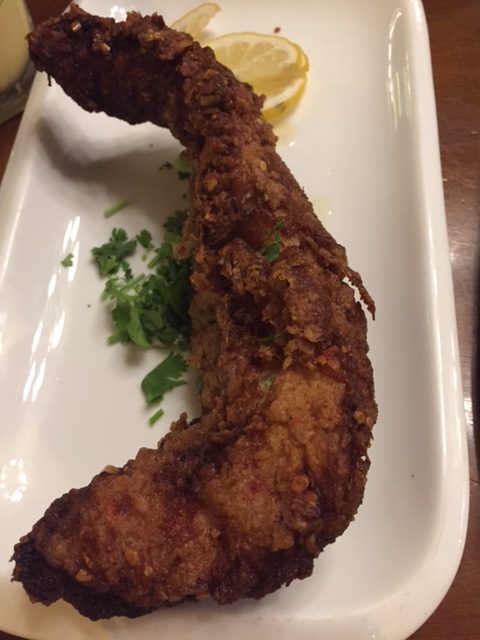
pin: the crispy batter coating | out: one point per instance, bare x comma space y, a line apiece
241, 501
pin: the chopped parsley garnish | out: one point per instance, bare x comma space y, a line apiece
111, 211
144, 238
174, 225
269, 339
181, 167
67, 261
164, 377
268, 382
151, 309
156, 416
111, 255
271, 251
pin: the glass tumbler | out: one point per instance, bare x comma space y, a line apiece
16, 71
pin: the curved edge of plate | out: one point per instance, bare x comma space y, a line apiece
401, 614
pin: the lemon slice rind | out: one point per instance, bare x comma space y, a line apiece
194, 22
273, 65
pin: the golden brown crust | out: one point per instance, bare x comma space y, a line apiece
241, 501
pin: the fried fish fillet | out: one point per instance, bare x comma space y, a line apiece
242, 500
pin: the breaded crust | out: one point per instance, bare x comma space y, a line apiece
242, 500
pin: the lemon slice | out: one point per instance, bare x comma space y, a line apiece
273, 65
279, 105
195, 21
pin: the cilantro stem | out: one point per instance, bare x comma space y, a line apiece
111, 211
156, 416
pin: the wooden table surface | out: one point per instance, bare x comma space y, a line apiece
454, 27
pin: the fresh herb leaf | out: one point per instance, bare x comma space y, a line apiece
152, 309
272, 251
110, 257
181, 167
269, 339
164, 377
268, 382
111, 211
173, 225
67, 261
127, 319
144, 238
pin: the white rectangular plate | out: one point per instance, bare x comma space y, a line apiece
363, 143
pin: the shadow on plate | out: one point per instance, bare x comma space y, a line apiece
118, 168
